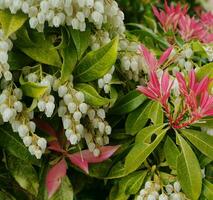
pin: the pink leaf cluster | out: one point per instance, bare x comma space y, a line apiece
196, 101
175, 18
151, 61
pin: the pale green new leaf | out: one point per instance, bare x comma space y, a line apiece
97, 63
156, 113
91, 95
171, 153
188, 170
24, 173
34, 90
11, 22
201, 140
144, 146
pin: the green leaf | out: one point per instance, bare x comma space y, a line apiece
188, 171
137, 119
91, 95
65, 192
11, 22
18, 60
36, 46
167, 178
206, 70
117, 171
197, 47
171, 153
207, 189
6, 196
81, 40
11, 142
30, 89
144, 146
205, 122
97, 63
201, 140
24, 174
69, 56
156, 113
129, 185
128, 103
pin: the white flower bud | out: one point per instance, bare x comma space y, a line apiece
90, 3
32, 149
91, 146
50, 106
139, 198
73, 139
62, 90
4, 45
3, 57
151, 197
25, 7
188, 66
169, 188
23, 130
18, 93
41, 17
61, 111
91, 114
106, 140
18, 106
96, 152
148, 185
72, 107
83, 107
107, 78
77, 116
38, 153
97, 17
80, 16
80, 129
107, 89
80, 97
3, 98
8, 76
69, 132
7, 114
41, 105
100, 83
42, 143
143, 192
56, 21
108, 129
32, 126
44, 5
75, 23
177, 186
175, 196
27, 140
99, 6
67, 98
33, 22
81, 3
163, 197
66, 123
101, 127
188, 53
101, 113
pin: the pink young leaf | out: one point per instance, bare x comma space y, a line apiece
44, 126
78, 161
81, 159
54, 177
55, 146
165, 55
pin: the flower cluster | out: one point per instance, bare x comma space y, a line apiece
74, 13
104, 83
154, 191
177, 19
5, 46
12, 110
193, 103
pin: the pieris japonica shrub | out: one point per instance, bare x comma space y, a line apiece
104, 99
